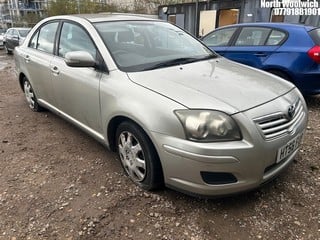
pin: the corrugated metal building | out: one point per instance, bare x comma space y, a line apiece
200, 17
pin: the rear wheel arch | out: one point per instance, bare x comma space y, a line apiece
21, 80
30, 95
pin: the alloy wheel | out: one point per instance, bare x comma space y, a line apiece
132, 156
29, 94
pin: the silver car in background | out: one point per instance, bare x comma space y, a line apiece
14, 37
177, 114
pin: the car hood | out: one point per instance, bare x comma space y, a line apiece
218, 84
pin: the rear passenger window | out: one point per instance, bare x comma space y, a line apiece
252, 36
46, 38
275, 38
34, 40
43, 39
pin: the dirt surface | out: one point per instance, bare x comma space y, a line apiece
56, 182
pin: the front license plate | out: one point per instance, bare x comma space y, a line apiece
289, 148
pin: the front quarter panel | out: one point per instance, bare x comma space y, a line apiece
152, 111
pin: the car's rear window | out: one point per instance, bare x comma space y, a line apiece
315, 35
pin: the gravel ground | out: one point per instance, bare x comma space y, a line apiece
59, 183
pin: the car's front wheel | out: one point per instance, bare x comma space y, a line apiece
138, 156
30, 96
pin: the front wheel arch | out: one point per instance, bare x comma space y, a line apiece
112, 129
280, 73
138, 154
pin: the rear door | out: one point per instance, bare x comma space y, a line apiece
38, 57
254, 45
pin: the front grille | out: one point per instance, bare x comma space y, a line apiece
278, 124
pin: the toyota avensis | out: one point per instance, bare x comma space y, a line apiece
177, 114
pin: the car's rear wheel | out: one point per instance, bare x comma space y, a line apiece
7, 49
138, 156
30, 96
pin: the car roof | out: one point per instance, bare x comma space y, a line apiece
19, 28
274, 25
103, 17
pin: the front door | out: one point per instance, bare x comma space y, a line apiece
76, 89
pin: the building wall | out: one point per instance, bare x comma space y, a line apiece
5, 18
249, 11
11, 11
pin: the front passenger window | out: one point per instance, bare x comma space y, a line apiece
75, 38
220, 37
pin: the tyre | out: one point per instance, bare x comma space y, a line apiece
7, 50
138, 156
30, 96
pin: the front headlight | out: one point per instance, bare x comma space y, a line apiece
208, 126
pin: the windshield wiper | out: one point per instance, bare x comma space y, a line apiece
179, 61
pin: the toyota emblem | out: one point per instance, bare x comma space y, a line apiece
291, 111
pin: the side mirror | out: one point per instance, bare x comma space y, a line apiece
15, 37
79, 59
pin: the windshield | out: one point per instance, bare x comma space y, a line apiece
23, 33
144, 45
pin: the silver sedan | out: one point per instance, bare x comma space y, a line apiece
178, 114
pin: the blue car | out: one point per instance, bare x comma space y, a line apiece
288, 50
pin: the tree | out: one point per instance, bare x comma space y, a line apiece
29, 20
62, 7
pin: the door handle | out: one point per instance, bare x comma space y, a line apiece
55, 70
260, 54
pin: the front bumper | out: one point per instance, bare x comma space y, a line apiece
183, 167
188, 166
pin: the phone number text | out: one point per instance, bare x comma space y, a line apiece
296, 11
